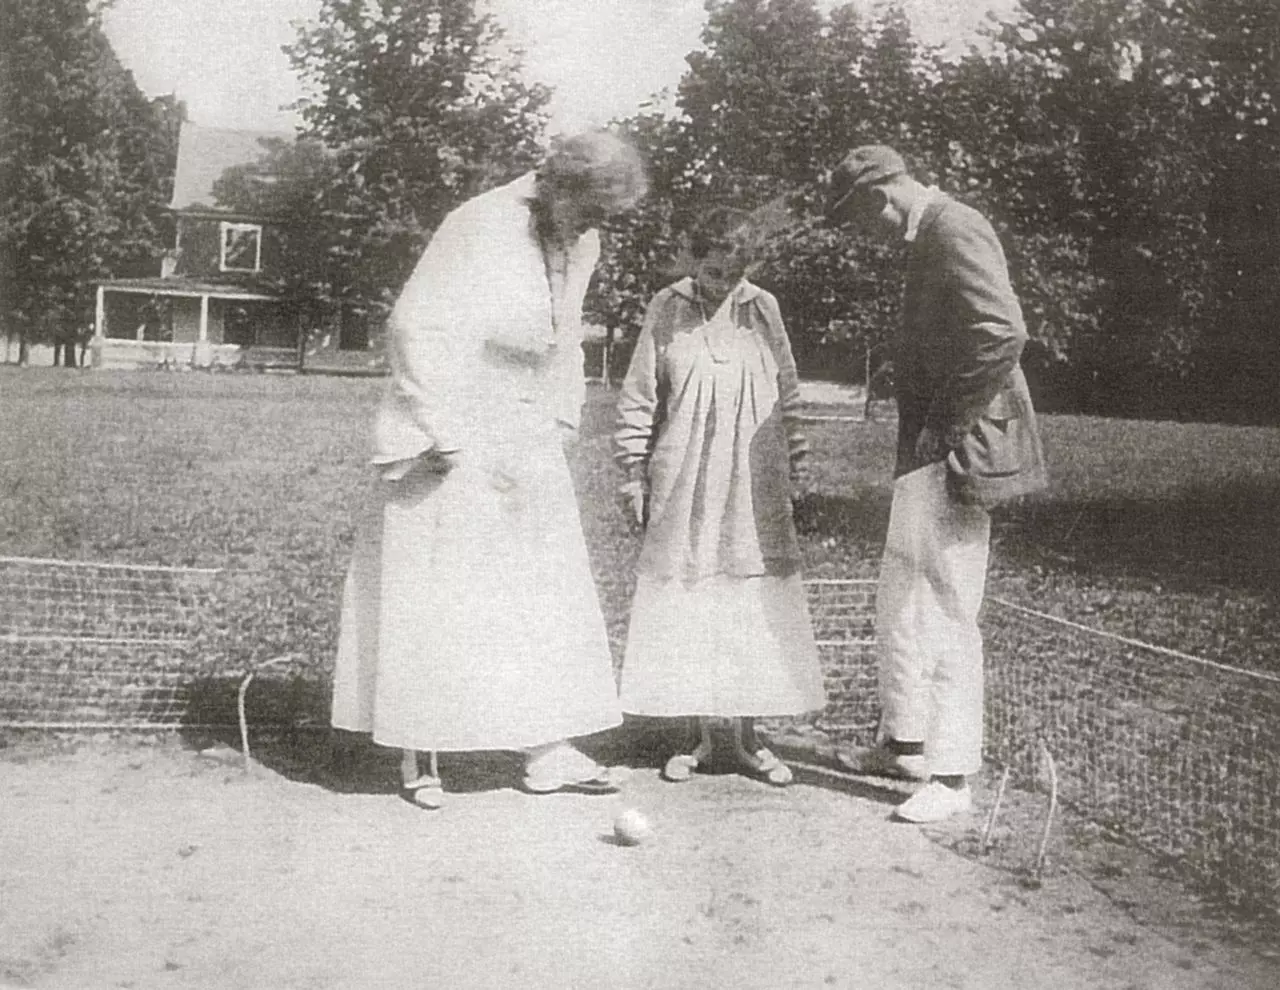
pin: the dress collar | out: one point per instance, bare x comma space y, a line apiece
744, 291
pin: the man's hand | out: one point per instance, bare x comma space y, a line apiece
931, 446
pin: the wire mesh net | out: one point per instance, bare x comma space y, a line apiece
96, 645
1176, 754
1179, 755
843, 614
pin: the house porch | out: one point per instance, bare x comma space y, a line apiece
174, 322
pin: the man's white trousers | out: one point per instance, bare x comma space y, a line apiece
932, 579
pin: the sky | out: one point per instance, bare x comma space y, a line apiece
603, 57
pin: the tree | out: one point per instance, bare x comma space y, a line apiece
85, 167
752, 99
1127, 152
1228, 73
640, 245
422, 106
780, 92
298, 185
1110, 131
843, 289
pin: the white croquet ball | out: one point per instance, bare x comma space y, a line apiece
631, 827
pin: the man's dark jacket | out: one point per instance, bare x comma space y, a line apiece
956, 359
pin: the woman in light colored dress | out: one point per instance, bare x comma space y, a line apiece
470, 619
709, 441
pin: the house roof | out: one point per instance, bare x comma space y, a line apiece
204, 153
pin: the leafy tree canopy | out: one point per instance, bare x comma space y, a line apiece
86, 164
422, 105
1126, 151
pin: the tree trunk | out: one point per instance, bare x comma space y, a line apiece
300, 329
24, 351
607, 371
866, 377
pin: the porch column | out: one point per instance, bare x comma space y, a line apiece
202, 353
99, 328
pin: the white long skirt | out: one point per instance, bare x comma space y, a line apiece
470, 618
721, 647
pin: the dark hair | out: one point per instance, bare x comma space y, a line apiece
716, 230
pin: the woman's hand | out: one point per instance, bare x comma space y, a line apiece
801, 473
442, 461
634, 504
432, 461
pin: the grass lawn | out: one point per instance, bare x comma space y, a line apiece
1163, 531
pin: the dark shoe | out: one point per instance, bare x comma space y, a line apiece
756, 760
880, 761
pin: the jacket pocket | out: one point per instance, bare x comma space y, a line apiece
991, 449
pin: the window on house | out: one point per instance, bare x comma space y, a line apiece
241, 247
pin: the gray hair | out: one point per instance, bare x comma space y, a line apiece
598, 165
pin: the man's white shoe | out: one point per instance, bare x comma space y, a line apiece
934, 802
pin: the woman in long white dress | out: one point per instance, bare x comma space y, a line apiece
470, 618
708, 438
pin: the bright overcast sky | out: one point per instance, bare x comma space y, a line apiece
603, 57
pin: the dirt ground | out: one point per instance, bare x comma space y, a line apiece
129, 864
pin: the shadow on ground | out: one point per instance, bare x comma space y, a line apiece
288, 730
289, 736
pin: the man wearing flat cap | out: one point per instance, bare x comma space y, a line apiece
967, 440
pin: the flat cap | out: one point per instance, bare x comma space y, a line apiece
862, 168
